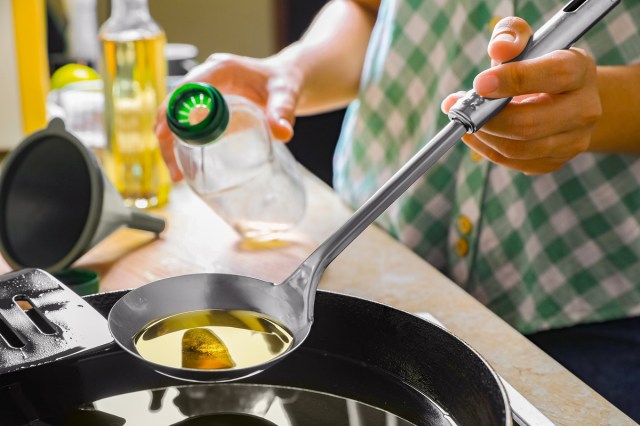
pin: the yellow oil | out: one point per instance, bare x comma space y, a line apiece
134, 73
213, 339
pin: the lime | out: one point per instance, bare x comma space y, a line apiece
72, 73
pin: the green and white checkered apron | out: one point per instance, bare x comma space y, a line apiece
540, 251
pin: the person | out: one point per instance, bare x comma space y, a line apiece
537, 215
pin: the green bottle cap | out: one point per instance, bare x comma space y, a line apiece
197, 113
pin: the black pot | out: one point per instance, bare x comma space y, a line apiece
357, 349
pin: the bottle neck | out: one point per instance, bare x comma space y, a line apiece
127, 8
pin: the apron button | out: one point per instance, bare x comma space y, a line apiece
475, 156
465, 226
462, 247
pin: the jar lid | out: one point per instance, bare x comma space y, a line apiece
197, 113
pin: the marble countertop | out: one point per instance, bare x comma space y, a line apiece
375, 267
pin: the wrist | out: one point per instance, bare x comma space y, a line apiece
618, 128
289, 65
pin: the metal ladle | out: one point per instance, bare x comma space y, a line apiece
292, 301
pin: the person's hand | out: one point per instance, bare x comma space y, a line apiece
271, 85
555, 107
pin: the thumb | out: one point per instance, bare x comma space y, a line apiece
450, 101
281, 107
510, 37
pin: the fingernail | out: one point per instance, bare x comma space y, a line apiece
506, 36
450, 101
284, 123
486, 84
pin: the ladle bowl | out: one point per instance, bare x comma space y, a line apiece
175, 295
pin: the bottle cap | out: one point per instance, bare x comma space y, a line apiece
197, 113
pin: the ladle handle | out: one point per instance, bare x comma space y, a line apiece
468, 115
311, 269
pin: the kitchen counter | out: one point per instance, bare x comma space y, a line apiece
375, 267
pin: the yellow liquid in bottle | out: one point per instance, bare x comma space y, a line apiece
213, 339
135, 84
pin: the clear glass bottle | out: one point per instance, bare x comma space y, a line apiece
226, 153
134, 73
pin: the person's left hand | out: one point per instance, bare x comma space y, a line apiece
555, 107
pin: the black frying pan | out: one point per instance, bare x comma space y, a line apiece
356, 349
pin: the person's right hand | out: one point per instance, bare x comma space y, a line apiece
271, 85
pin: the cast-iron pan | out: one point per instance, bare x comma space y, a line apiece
357, 349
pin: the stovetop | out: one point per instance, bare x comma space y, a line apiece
126, 391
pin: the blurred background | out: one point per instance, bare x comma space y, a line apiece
255, 28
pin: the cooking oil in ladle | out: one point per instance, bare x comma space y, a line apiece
213, 339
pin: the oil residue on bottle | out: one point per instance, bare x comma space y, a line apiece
213, 339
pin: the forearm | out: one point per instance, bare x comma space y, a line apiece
331, 54
618, 130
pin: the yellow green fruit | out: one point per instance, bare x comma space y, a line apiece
72, 73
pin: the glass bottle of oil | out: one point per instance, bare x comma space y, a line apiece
134, 73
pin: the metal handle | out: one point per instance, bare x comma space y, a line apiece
560, 32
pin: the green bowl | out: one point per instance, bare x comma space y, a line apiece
83, 281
